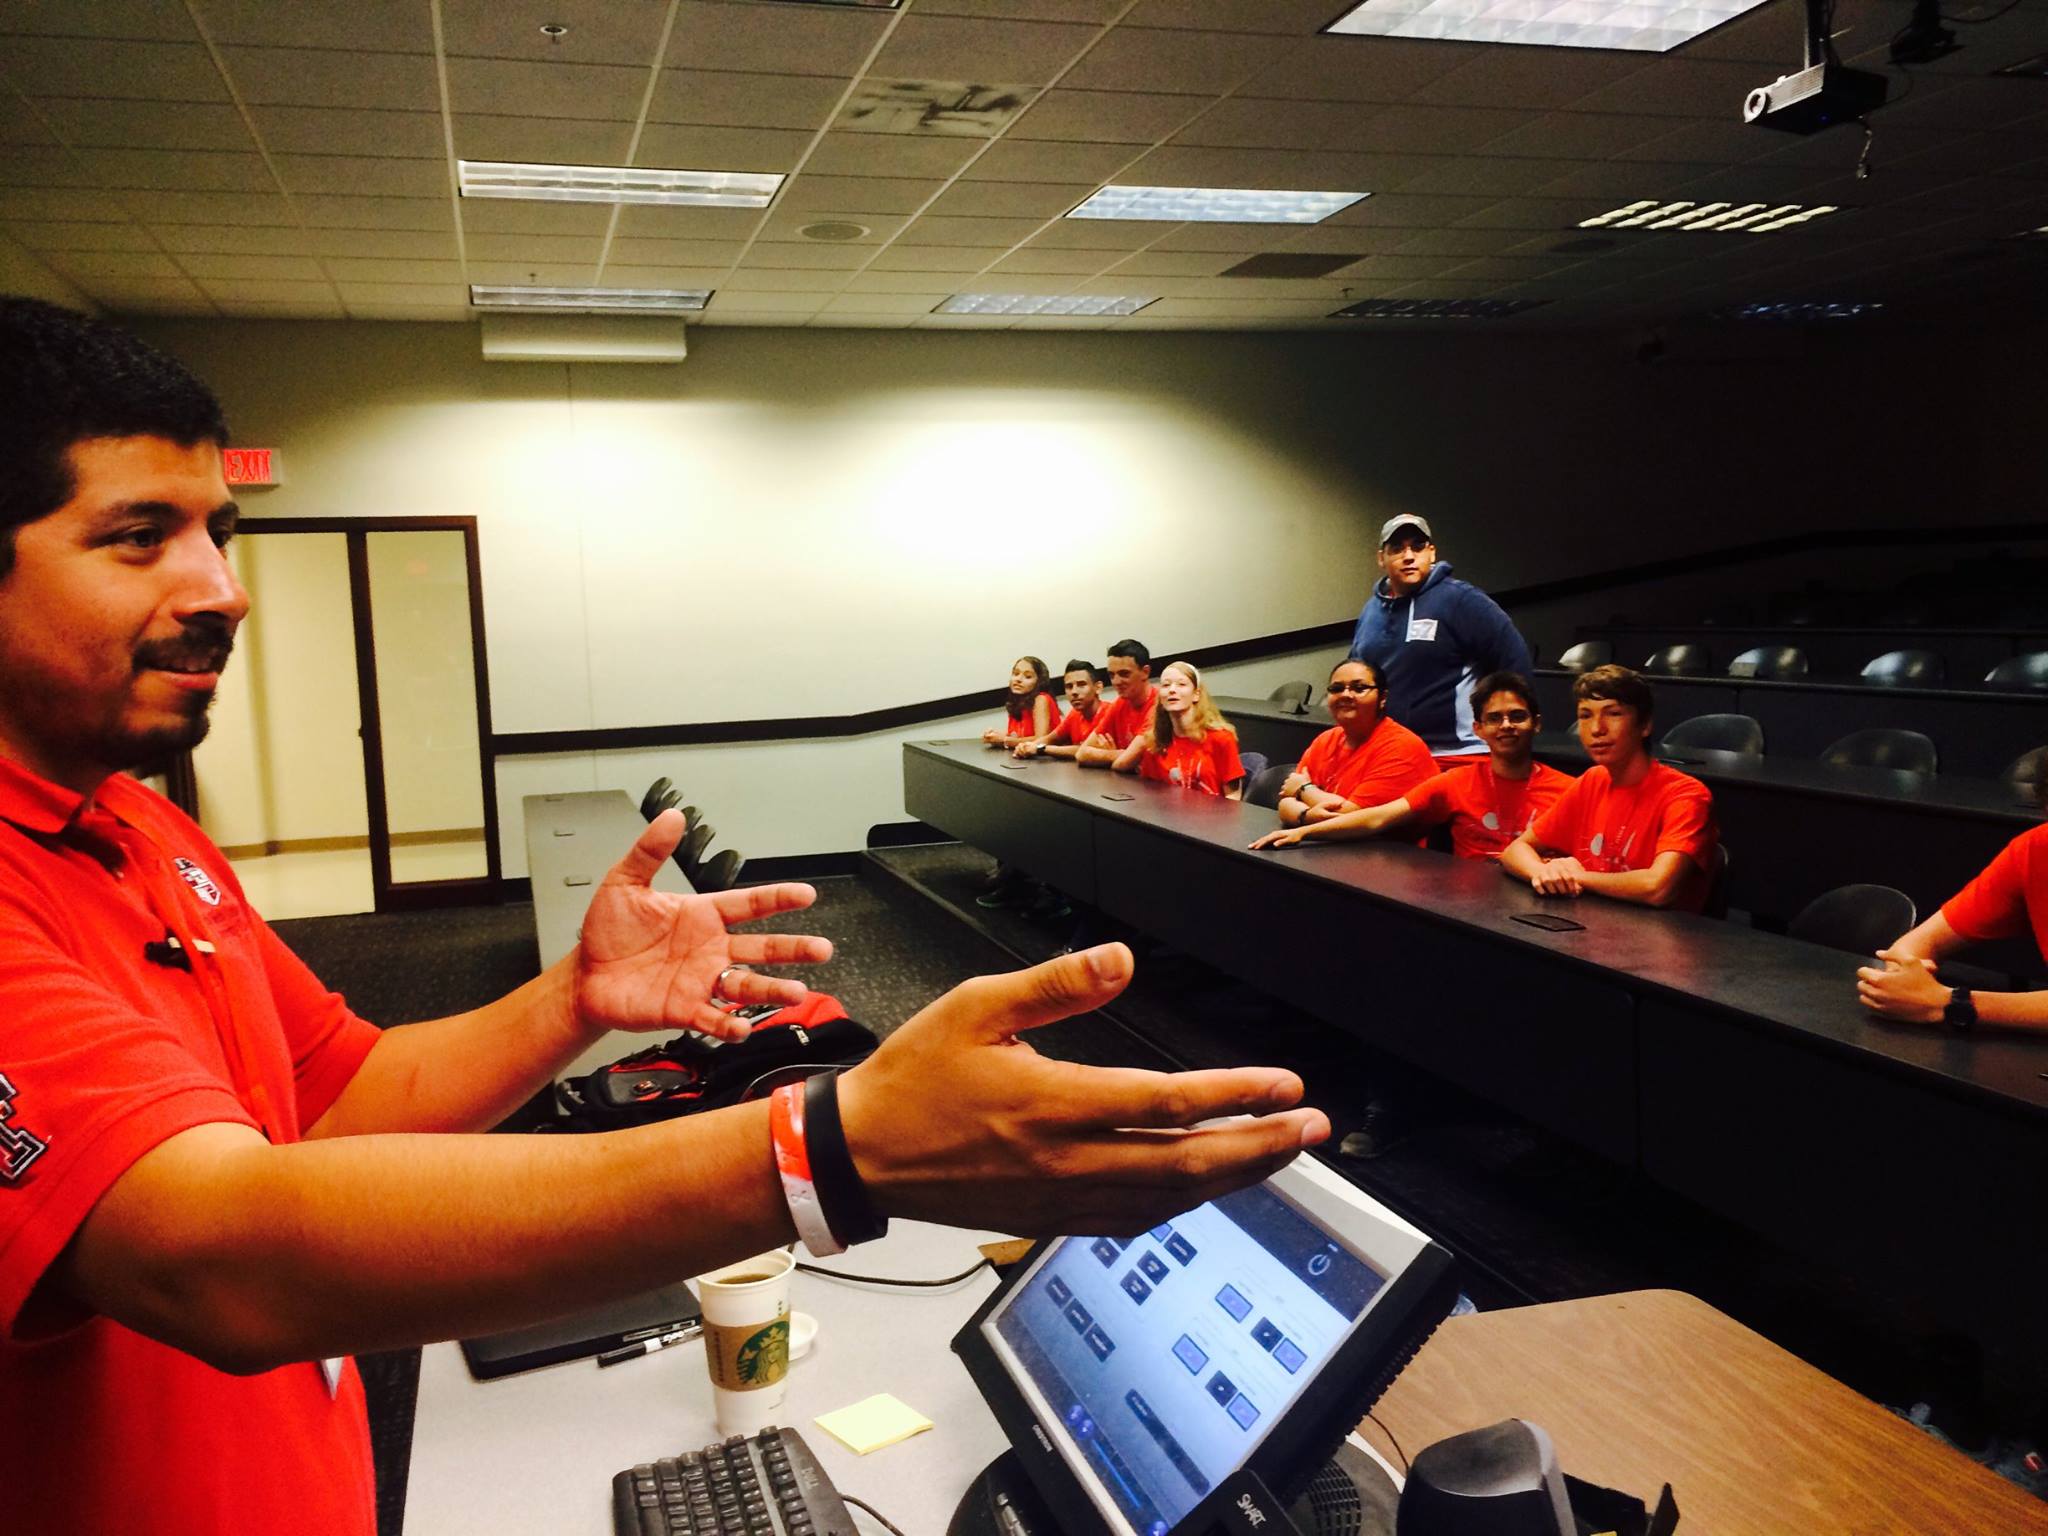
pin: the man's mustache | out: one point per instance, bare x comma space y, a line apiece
203, 647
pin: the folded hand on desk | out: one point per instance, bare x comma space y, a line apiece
651, 960
956, 1119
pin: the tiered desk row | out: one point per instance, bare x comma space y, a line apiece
1730, 1065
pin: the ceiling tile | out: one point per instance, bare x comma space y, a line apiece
1245, 122
362, 176
816, 40
233, 239
567, 274
1539, 213
886, 303
1480, 176
656, 222
378, 269
22, 124
786, 224
885, 281
1098, 11
936, 258
217, 265
59, 203
1327, 238
75, 236
980, 50
1074, 263
1406, 210
418, 244
355, 293
1302, 170
372, 310
600, 31
268, 290
160, 20
177, 170
615, 276
1360, 68
725, 301
554, 248
1100, 234
676, 253
542, 140
332, 212
1623, 180
124, 71
1464, 241
727, 99
1183, 63
1090, 163
507, 216
516, 88
720, 149
1106, 117
939, 231
149, 296
881, 154
29, 166
349, 131
1295, 18
1579, 135
811, 255
188, 125
1680, 87
86, 265
323, 77
780, 280
854, 194
1527, 77
370, 26
1176, 263
1715, 141
328, 308
1011, 199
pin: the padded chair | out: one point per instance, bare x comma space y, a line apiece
690, 855
721, 872
1680, 661
1717, 733
1254, 764
1770, 663
650, 803
1586, 655
1906, 669
1885, 747
1717, 887
2028, 671
1859, 918
2028, 769
1292, 697
1263, 788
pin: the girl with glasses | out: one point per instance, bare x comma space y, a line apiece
1364, 759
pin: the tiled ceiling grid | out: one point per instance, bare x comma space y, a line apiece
263, 158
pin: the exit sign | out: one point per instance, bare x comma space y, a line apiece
249, 466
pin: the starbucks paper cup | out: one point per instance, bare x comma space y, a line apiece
746, 1339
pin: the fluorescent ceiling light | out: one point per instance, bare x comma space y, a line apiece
1749, 218
1434, 309
1215, 205
658, 299
1801, 310
1044, 304
616, 184
1642, 26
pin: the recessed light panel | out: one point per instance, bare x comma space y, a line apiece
1044, 304
1435, 309
1641, 26
1215, 205
1745, 218
616, 184
668, 300
1800, 310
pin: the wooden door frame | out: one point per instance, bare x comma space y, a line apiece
417, 894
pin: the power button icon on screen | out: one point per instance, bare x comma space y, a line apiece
1319, 1264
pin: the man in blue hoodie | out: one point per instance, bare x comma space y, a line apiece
1431, 636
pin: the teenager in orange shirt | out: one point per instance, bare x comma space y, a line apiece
2008, 899
1489, 803
1127, 715
1029, 711
1366, 758
1190, 743
1631, 828
1084, 708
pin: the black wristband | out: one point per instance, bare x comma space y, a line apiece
842, 1198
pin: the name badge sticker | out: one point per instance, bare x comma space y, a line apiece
1422, 629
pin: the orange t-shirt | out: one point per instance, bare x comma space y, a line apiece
1077, 727
1020, 726
2009, 897
1385, 766
1122, 723
1206, 766
1613, 830
1487, 813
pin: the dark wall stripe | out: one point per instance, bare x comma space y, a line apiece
706, 733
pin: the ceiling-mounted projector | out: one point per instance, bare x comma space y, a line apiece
1822, 92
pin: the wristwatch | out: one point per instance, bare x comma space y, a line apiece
1961, 1009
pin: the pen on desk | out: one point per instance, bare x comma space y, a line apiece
648, 1346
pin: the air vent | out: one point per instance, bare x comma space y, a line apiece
1435, 309
834, 231
1292, 264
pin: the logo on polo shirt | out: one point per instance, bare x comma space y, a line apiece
19, 1147
200, 881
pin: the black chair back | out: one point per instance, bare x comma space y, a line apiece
1717, 733
1254, 764
1263, 788
2028, 769
1586, 655
2028, 671
1292, 697
690, 856
1717, 885
1680, 661
721, 872
1885, 747
1770, 662
1906, 669
1859, 918
650, 803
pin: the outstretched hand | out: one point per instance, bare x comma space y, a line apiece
957, 1119
651, 960
1286, 837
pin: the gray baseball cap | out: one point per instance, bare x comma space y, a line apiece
1394, 525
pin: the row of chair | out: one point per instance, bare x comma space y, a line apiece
720, 872
1880, 747
1781, 663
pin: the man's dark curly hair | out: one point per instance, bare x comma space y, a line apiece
65, 377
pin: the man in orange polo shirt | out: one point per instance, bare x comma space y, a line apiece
214, 1182
1631, 828
1129, 714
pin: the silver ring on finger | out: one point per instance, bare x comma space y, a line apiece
718, 986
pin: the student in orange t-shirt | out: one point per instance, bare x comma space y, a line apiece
1489, 803
2009, 898
1127, 715
1631, 828
1084, 707
1366, 758
1190, 744
1029, 710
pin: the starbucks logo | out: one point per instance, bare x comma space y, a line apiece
764, 1358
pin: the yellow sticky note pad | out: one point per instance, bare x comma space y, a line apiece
873, 1422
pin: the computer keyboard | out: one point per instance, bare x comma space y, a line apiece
769, 1485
